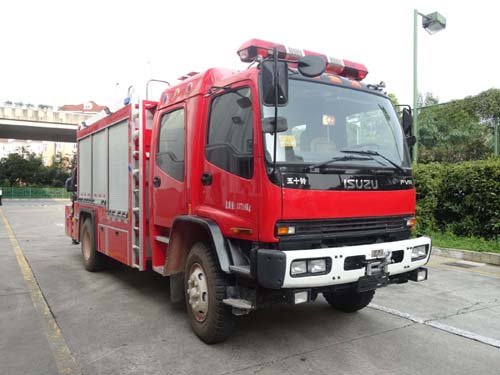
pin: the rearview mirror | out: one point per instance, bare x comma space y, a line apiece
269, 79
411, 140
407, 121
268, 125
70, 187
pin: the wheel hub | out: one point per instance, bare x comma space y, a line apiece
197, 292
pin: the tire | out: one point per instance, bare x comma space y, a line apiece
349, 302
205, 285
93, 260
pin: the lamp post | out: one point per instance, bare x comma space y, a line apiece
432, 23
495, 143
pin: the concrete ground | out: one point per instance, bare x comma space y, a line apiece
120, 321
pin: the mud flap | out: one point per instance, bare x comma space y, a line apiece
177, 287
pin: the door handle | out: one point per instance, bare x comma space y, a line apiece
156, 181
206, 179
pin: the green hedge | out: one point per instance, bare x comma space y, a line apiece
461, 198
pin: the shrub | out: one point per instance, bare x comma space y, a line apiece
461, 198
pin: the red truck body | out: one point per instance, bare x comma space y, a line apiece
155, 182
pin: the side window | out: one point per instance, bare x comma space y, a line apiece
170, 150
230, 133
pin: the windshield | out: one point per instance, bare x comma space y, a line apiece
324, 120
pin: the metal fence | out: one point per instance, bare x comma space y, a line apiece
34, 192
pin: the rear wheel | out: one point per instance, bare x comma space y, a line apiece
349, 302
93, 260
205, 286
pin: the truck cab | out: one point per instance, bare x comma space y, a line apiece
274, 184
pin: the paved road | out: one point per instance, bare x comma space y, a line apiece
120, 321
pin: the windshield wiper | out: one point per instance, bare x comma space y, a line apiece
335, 159
374, 153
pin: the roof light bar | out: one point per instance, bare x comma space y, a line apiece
250, 50
187, 75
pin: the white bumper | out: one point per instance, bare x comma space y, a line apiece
338, 275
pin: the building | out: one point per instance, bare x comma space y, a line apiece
88, 108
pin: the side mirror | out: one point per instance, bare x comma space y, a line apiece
270, 79
268, 125
407, 121
69, 184
411, 140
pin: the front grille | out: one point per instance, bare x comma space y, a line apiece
348, 227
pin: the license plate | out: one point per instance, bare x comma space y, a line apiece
379, 253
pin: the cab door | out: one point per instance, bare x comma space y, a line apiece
229, 186
168, 174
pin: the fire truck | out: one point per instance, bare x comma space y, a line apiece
274, 184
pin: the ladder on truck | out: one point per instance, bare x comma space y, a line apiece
138, 201
140, 160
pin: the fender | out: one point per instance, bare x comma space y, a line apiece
213, 231
92, 217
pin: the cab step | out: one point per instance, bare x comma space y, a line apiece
162, 239
240, 306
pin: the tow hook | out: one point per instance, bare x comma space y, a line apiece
378, 265
376, 275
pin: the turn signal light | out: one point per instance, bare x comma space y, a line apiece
284, 230
411, 222
236, 230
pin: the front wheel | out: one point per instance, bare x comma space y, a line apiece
349, 302
205, 285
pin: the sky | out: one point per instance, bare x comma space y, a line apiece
69, 52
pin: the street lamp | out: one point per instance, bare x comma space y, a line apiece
432, 23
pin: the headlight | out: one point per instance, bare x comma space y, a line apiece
419, 252
298, 267
310, 267
316, 265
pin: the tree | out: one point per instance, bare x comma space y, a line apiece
427, 100
394, 100
57, 173
27, 169
486, 104
14, 169
454, 131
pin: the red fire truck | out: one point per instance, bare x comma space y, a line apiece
273, 184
